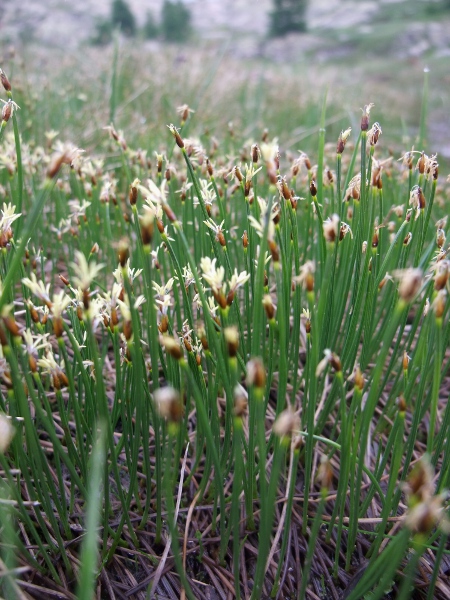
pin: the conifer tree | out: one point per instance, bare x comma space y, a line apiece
287, 16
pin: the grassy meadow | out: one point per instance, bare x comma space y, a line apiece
224, 327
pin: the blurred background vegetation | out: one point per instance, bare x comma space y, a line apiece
266, 68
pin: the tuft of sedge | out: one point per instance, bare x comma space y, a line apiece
245, 239
313, 188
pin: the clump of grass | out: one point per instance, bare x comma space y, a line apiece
224, 367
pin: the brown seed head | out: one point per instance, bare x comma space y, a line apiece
401, 404
240, 401
365, 117
133, 194
331, 228
231, 335
201, 333
335, 362
442, 274
171, 346
5, 81
256, 373
11, 325
269, 307
421, 163
274, 251
440, 238
169, 213
373, 134
325, 473
6, 112
407, 239
287, 423
168, 403
256, 153
147, 222
342, 140
410, 282
439, 304
405, 361
123, 252
174, 131
163, 324
359, 379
